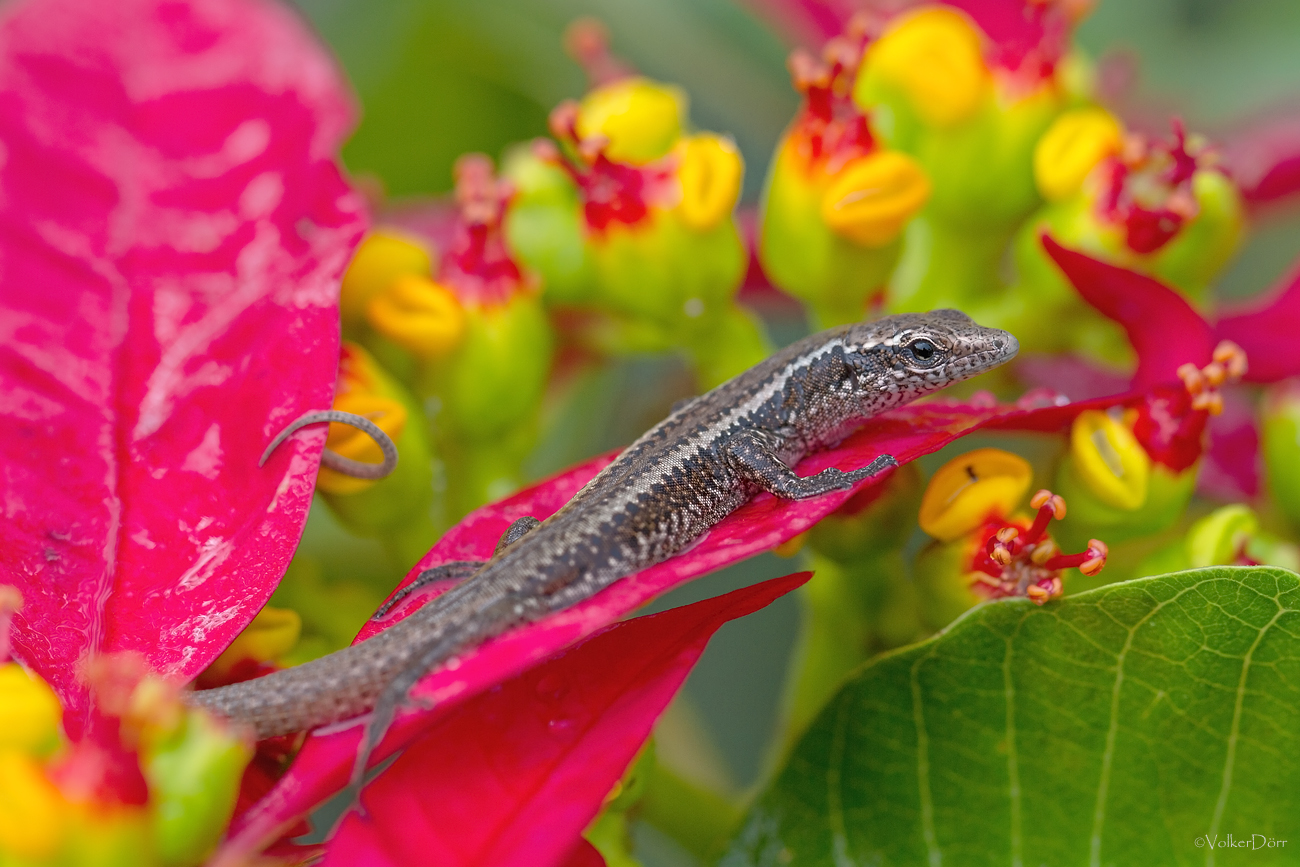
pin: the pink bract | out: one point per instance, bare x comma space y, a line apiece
1166, 331
513, 777
1162, 327
172, 225
1268, 332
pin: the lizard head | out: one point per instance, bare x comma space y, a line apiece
912, 354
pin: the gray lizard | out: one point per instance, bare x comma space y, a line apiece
661, 494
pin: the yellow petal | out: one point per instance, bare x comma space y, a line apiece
710, 174
874, 196
1109, 460
1072, 146
32, 811
642, 119
30, 713
934, 56
968, 489
349, 442
423, 317
384, 255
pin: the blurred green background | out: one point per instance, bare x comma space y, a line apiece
436, 79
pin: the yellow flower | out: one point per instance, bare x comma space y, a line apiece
418, 314
1109, 460
272, 634
32, 810
384, 255
710, 173
1072, 147
29, 712
349, 442
968, 489
874, 196
641, 119
934, 56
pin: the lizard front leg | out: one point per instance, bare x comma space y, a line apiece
756, 461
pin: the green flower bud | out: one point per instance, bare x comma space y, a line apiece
544, 226
193, 774
488, 393
942, 575
1220, 537
1227, 536
647, 248
1281, 448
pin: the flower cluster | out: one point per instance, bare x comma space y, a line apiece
152, 783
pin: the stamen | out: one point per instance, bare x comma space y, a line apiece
1214, 374
1014, 562
1000, 554
1233, 357
587, 41
1089, 562
337, 462
1045, 590
1192, 378
1044, 551
1049, 506
1208, 401
807, 72
563, 121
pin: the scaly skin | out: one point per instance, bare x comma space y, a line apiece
666, 490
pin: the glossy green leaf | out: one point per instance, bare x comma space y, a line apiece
1120, 726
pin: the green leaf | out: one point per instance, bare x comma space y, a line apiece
1115, 727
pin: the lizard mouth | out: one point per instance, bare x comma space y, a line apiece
1004, 348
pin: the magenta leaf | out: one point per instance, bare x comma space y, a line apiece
172, 227
512, 778
1164, 329
1269, 332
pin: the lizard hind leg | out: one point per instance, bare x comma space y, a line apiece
456, 570
519, 528
395, 696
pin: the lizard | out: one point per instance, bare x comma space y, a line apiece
657, 498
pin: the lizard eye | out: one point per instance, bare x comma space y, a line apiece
922, 350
